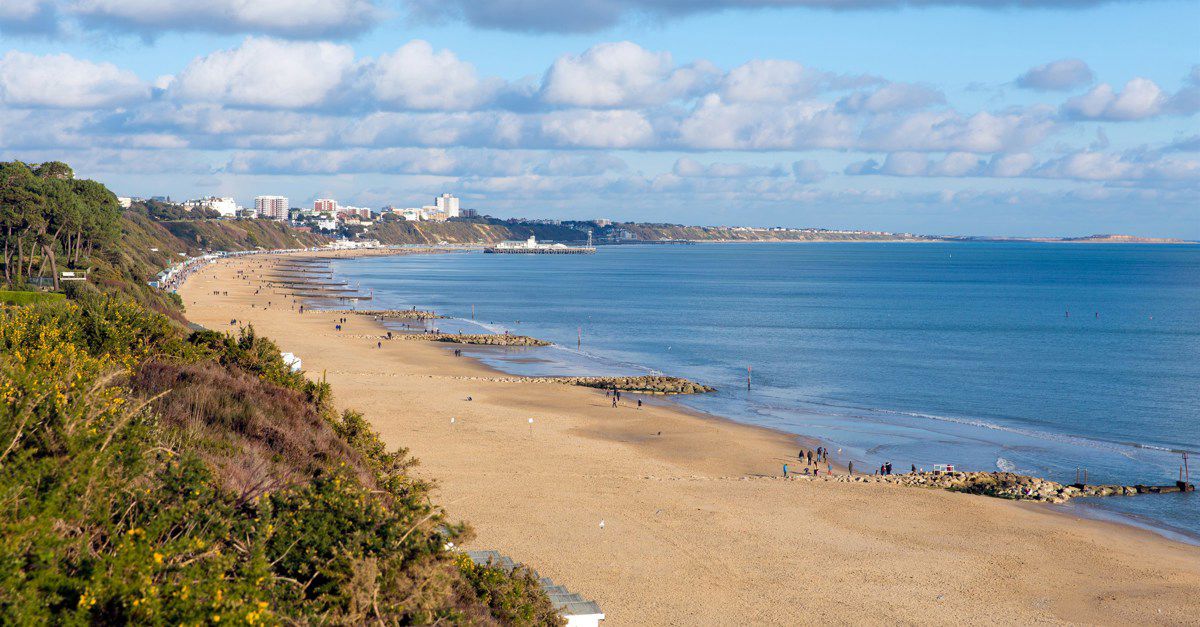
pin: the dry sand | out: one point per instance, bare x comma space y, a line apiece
696, 528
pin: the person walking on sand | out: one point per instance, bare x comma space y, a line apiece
378, 344
809, 457
639, 403
785, 471
614, 402
850, 467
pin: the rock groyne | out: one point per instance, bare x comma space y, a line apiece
648, 384
398, 314
482, 339
1005, 485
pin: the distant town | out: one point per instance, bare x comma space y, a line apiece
446, 221
329, 217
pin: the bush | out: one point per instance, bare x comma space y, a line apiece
25, 298
151, 479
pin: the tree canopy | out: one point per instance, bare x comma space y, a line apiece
50, 219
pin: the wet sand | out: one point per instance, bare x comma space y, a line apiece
698, 527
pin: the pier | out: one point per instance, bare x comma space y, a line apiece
532, 247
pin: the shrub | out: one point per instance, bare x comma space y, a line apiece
149, 479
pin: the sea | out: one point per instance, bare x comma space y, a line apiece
1046, 359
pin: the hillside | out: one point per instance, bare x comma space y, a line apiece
643, 231
156, 475
481, 231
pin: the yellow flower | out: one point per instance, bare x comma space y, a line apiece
158, 558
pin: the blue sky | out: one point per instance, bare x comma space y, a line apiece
893, 114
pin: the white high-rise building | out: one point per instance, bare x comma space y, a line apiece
448, 205
272, 207
227, 207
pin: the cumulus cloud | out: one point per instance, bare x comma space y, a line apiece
1061, 75
948, 130
770, 80
1140, 98
422, 161
264, 72
808, 171
417, 77
300, 19
62, 81
719, 125
1082, 165
598, 129
594, 15
621, 74
893, 97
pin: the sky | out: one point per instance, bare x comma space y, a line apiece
980, 117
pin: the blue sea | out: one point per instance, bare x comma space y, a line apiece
1044, 359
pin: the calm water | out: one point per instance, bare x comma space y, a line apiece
911, 353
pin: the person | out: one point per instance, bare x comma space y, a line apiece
639, 403
850, 467
914, 468
829, 468
785, 471
614, 401
810, 457
378, 344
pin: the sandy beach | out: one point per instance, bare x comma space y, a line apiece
697, 526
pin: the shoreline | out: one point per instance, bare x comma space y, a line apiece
537, 491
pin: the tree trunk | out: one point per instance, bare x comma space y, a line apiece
53, 264
20, 257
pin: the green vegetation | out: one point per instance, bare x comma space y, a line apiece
51, 222
48, 219
479, 230
24, 298
153, 475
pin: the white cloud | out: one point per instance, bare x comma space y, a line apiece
62, 81
893, 97
264, 72
770, 80
416, 77
808, 171
621, 74
598, 129
983, 132
1059, 75
1140, 98
1082, 165
718, 125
